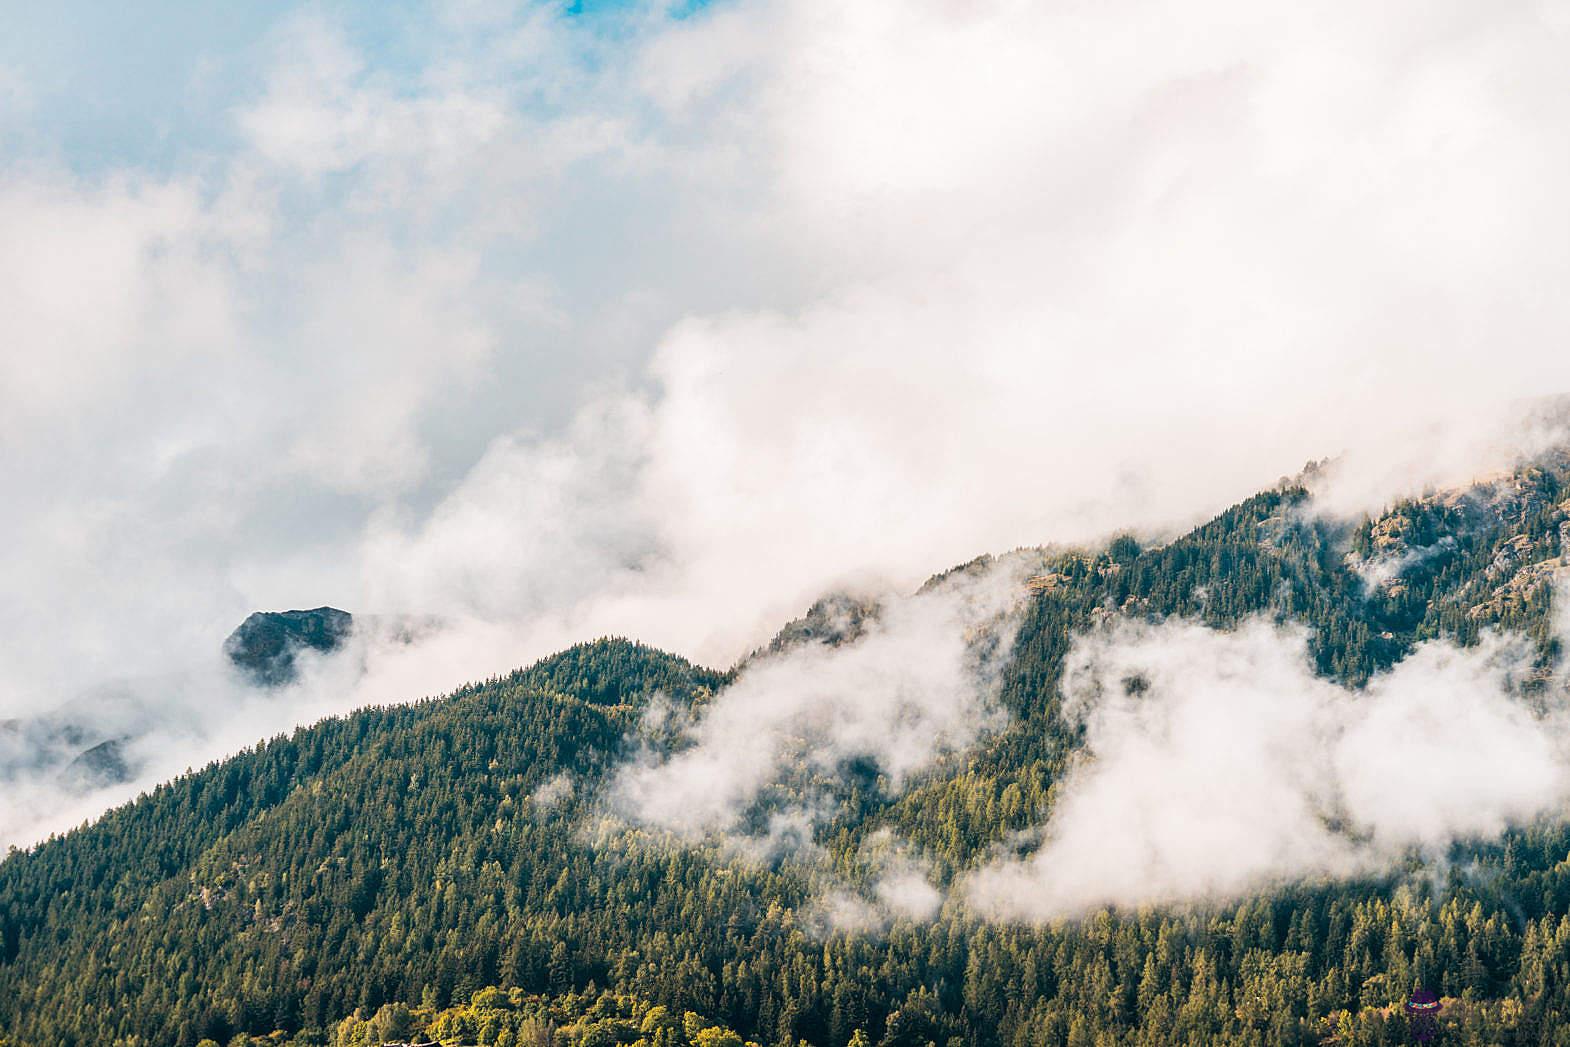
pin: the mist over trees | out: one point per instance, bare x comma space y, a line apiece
453, 869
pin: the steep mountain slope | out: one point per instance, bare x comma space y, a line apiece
421, 853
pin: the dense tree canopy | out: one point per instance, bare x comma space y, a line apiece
398, 871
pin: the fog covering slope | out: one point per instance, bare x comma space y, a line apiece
1007, 805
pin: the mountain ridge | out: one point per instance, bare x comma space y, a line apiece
410, 851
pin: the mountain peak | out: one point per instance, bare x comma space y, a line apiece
264, 647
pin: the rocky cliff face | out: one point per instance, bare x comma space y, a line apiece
265, 646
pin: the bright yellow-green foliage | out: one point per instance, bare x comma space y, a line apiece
497, 1017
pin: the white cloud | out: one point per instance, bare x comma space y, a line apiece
896, 885
553, 793
94, 282
904, 893
918, 683
1230, 766
1075, 271
663, 327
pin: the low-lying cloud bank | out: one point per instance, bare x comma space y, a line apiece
1217, 763
759, 765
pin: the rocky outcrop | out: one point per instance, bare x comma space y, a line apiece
265, 646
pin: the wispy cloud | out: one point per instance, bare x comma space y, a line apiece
770, 751
1218, 763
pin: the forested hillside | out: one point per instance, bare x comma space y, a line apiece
448, 867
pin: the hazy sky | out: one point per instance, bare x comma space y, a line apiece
661, 322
